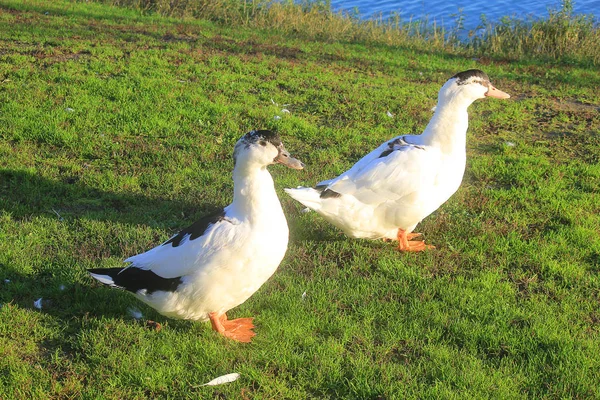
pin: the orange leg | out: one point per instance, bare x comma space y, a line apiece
238, 329
409, 236
413, 235
405, 244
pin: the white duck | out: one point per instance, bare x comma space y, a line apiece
390, 190
221, 260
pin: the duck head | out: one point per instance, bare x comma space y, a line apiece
468, 86
262, 148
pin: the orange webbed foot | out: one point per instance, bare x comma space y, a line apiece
415, 246
405, 244
238, 329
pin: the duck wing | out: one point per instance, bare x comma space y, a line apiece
395, 170
360, 164
190, 249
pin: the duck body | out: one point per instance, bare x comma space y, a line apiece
218, 262
390, 190
238, 252
387, 190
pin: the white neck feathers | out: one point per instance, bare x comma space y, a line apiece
253, 193
447, 129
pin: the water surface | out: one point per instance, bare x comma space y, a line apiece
444, 12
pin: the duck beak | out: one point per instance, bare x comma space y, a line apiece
497, 93
284, 158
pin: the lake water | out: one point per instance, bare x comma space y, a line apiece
442, 11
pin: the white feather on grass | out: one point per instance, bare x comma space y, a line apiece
38, 303
223, 379
135, 313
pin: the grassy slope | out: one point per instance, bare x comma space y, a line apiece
116, 129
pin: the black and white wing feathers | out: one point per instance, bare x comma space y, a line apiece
165, 266
134, 279
394, 170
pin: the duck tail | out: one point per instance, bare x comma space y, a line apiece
105, 275
310, 197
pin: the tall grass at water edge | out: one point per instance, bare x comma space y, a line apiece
563, 35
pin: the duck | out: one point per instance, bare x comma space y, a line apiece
222, 259
390, 190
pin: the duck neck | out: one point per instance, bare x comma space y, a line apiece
253, 193
447, 129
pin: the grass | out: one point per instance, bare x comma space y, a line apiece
116, 129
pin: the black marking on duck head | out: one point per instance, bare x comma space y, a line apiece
134, 279
197, 229
261, 137
472, 76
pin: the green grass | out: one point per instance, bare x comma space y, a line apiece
116, 129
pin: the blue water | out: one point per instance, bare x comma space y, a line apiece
444, 12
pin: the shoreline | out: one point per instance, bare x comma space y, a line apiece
562, 36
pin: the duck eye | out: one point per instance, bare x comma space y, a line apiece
263, 143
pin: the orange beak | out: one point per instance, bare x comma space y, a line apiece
497, 93
284, 158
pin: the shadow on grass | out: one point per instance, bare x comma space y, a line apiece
23, 194
59, 297
81, 307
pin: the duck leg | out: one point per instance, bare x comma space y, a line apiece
238, 329
405, 244
413, 235
409, 236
